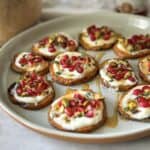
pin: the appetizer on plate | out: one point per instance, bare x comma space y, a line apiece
49, 47
71, 68
144, 68
117, 74
79, 111
32, 91
133, 47
135, 104
97, 38
28, 62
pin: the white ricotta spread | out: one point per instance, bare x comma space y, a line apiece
98, 42
28, 67
114, 83
77, 122
65, 73
29, 99
142, 112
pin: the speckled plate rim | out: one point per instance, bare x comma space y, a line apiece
86, 138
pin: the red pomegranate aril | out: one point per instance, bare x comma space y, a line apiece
92, 36
91, 28
33, 76
71, 43
38, 59
69, 111
74, 58
23, 61
81, 59
130, 41
60, 103
71, 68
119, 76
89, 114
65, 57
89, 107
79, 109
93, 103
143, 102
79, 97
79, 69
72, 103
19, 91
30, 92
44, 86
145, 88
131, 78
106, 36
112, 70
22, 83
52, 49
137, 92
44, 41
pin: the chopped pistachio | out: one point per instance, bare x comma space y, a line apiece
126, 109
66, 119
57, 62
65, 102
132, 105
58, 72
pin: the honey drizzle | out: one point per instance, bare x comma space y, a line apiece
98, 83
86, 86
112, 121
69, 90
99, 56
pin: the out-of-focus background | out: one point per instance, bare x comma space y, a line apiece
78, 6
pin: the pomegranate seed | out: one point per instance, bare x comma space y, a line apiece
143, 102
137, 92
91, 28
93, 103
60, 103
89, 114
65, 57
69, 111
130, 41
23, 61
119, 76
44, 41
112, 70
78, 109
131, 78
33, 76
89, 107
72, 103
71, 68
38, 59
74, 58
52, 48
106, 36
22, 83
79, 97
92, 36
71, 43
19, 91
145, 88
79, 69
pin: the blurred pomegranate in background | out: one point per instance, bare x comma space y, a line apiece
132, 6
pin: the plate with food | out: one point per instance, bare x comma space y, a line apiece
82, 78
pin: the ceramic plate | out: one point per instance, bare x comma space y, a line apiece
116, 129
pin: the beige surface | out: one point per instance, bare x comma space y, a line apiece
15, 136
